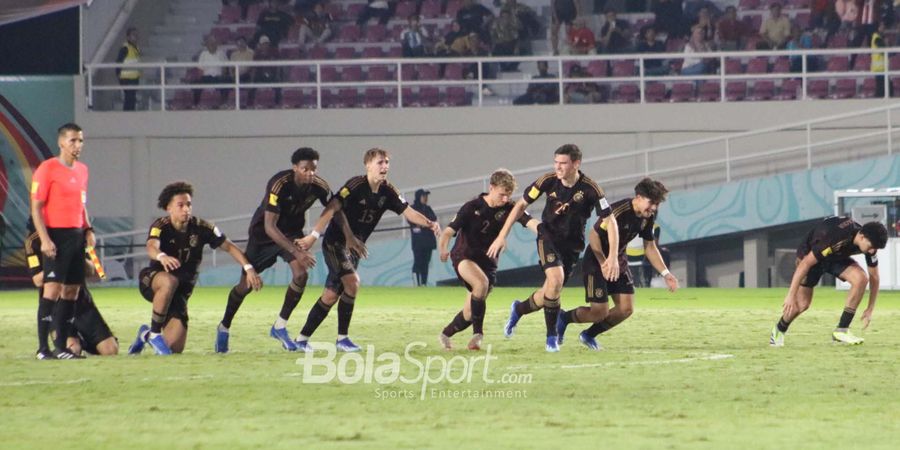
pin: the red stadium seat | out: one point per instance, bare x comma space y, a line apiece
817, 88
682, 92
762, 90
709, 91
844, 88
655, 93
735, 90
626, 93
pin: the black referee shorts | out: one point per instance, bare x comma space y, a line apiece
68, 265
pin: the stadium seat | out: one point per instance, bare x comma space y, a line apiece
336, 10
790, 90
748, 4
709, 91
655, 93
762, 90
682, 92
735, 91
317, 52
253, 12
733, 66
351, 73
372, 53
457, 96
431, 9
330, 99
817, 89
329, 74
844, 88
598, 68
868, 88
782, 64
862, 62
429, 96
839, 40
210, 99
626, 93
348, 97
427, 71
376, 32
895, 82
452, 7
230, 14
759, 64
379, 73
289, 53
409, 97
297, 98
265, 99
407, 72
181, 100
894, 61
624, 68
348, 33
354, 10
222, 34
373, 98
300, 74
837, 63
453, 71
404, 9
344, 53
246, 31
395, 52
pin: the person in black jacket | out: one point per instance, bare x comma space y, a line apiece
423, 241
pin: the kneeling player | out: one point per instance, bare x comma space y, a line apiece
634, 217
175, 247
476, 225
827, 248
91, 333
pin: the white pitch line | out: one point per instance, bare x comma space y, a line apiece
38, 382
709, 357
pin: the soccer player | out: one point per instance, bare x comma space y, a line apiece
91, 333
827, 248
175, 247
476, 226
275, 229
363, 200
60, 217
634, 217
571, 198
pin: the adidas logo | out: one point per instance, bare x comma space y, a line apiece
362, 202
51, 274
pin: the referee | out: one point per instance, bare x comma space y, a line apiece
58, 197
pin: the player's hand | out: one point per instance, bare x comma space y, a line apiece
866, 318
169, 263
89, 239
445, 256
305, 243
436, 228
253, 280
496, 247
357, 247
305, 258
671, 282
610, 269
48, 248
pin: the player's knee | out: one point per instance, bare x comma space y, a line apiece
553, 286
298, 283
167, 282
351, 284
109, 347
858, 281
177, 347
480, 289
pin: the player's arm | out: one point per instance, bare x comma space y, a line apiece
874, 285
253, 280
270, 221
328, 213
444, 243
532, 225
610, 267
89, 238
800, 273
656, 260
417, 218
169, 263
596, 245
500, 241
47, 246
353, 243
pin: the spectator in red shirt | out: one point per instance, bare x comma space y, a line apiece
731, 31
58, 198
581, 38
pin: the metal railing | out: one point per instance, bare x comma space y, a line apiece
167, 76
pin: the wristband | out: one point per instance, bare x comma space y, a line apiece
248, 267
159, 256
314, 234
664, 272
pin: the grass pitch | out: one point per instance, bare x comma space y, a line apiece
688, 370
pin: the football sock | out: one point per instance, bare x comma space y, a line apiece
345, 312
783, 325
156, 322
317, 314
44, 321
551, 313
62, 321
527, 306
598, 328
458, 324
846, 318
571, 316
478, 309
235, 299
291, 299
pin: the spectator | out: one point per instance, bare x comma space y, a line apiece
414, 39
731, 31
705, 22
649, 44
581, 39
444, 46
211, 61
243, 53
529, 26
422, 239
823, 16
473, 17
693, 65
614, 35
316, 25
848, 12
266, 51
540, 93
668, 18
582, 93
376, 8
564, 13
273, 23
800, 41
505, 38
129, 54
877, 64
775, 29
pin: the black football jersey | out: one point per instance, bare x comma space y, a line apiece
568, 208
290, 201
364, 208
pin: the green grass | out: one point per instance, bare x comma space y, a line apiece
655, 385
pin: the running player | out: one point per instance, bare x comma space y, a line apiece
475, 226
634, 217
827, 248
175, 247
363, 200
571, 199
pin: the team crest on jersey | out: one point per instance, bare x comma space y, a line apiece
194, 240
578, 197
499, 215
551, 257
381, 201
598, 293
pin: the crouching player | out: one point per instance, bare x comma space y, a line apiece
827, 248
634, 217
91, 333
475, 226
175, 247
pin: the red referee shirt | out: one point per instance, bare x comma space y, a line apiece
63, 191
